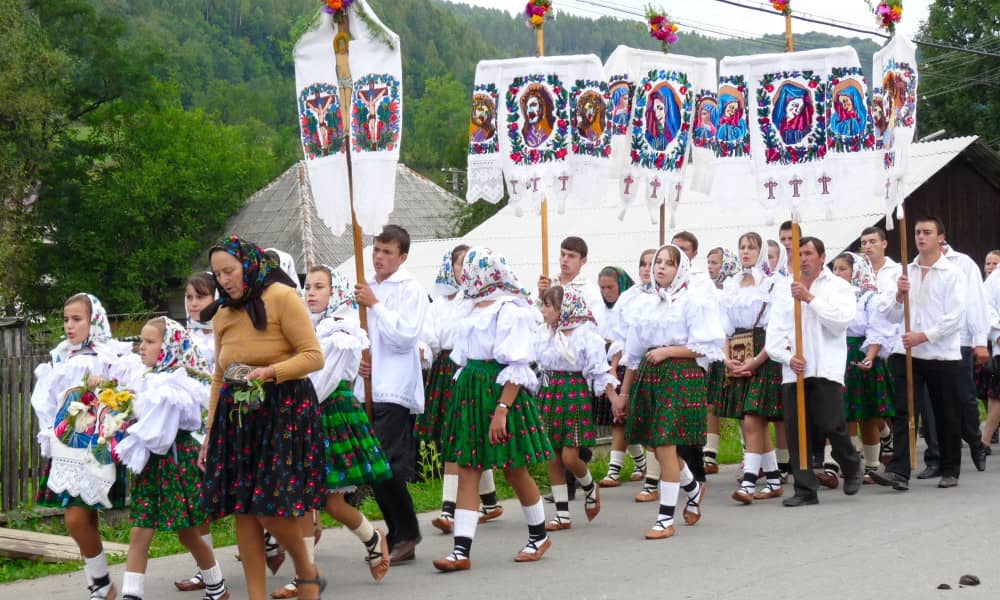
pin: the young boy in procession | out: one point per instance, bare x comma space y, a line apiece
398, 305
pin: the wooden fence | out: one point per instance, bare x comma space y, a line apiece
20, 461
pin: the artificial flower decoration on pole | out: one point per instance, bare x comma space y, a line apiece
782, 6
887, 14
337, 8
661, 28
537, 11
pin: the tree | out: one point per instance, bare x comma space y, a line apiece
959, 91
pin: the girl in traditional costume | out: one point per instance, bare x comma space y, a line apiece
575, 364
70, 479
722, 264
671, 329
495, 423
162, 453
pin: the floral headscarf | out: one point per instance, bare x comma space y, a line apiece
287, 264
341, 293
730, 266
487, 276
574, 310
862, 274
624, 283
445, 283
178, 351
680, 283
100, 331
781, 268
259, 272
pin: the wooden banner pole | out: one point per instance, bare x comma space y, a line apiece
345, 85
800, 380
789, 40
910, 404
540, 36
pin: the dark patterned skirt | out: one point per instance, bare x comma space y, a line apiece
437, 398
47, 498
869, 394
717, 387
166, 496
760, 394
268, 461
352, 452
988, 379
466, 431
565, 403
667, 405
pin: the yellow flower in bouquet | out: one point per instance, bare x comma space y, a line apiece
106, 397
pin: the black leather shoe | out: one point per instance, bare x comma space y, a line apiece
890, 479
852, 484
929, 473
948, 482
798, 500
979, 457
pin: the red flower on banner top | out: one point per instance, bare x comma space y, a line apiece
336, 7
661, 27
888, 13
782, 6
537, 11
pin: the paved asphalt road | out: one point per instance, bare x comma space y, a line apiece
878, 544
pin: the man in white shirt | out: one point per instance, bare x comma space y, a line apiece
398, 305
572, 256
828, 307
936, 292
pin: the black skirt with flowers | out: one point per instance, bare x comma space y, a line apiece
269, 460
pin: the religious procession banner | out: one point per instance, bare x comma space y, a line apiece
374, 120
543, 124
894, 113
653, 100
794, 128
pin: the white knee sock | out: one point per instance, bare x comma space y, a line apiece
365, 531
534, 514
751, 467
212, 576
586, 480
652, 467
782, 455
560, 494
617, 460
96, 566
712, 443
449, 488
486, 483
769, 462
884, 432
132, 584
871, 453
828, 456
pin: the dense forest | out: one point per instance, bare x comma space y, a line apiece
132, 129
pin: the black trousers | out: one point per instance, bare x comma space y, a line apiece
942, 379
694, 456
394, 429
900, 461
824, 414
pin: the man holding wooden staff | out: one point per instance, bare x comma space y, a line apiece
828, 308
936, 291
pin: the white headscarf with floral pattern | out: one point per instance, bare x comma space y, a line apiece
679, 285
100, 332
487, 276
178, 351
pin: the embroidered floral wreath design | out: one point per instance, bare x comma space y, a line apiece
734, 148
848, 143
644, 156
815, 142
491, 145
386, 114
309, 124
557, 145
581, 145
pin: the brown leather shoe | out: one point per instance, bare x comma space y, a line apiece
489, 515
593, 508
827, 479
378, 560
450, 565
289, 590
768, 492
558, 524
523, 556
711, 468
192, 584
660, 534
445, 525
609, 483
646, 496
691, 517
742, 496
404, 551
637, 476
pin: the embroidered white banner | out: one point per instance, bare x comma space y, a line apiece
894, 113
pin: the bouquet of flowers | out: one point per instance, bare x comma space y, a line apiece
661, 28
537, 11
888, 13
95, 419
782, 6
336, 7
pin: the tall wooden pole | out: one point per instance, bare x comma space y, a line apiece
663, 223
345, 85
912, 419
540, 38
800, 380
789, 40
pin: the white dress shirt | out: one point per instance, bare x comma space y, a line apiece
505, 332
586, 348
824, 328
937, 309
977, 318
692, 320
394, 328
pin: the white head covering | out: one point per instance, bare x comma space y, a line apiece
287, 264
781, 268
342, 303
446, 284
100, 332
679, 285
487, 276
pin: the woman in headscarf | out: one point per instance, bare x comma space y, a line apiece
722, 264
706, 123
670, 330
574, 360
793, 114
663, 118
495, 423
264, 455
732, 125
615, 329
849, 113
870, 394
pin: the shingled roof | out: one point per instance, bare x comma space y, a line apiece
273, 217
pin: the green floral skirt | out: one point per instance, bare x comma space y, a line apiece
716, 395
353, 454
870, 394
757, 395
466, 431
565, 400
166, 496
437, 399
667, 404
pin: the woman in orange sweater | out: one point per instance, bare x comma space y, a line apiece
263, 456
